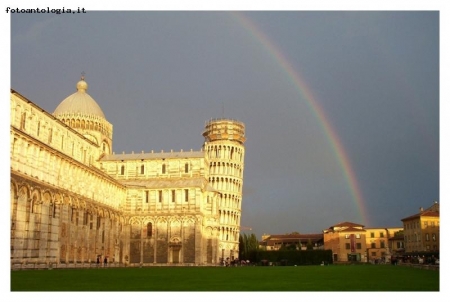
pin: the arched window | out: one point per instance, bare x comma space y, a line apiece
122, 170
72, 214
55, 207
163, 169
149, 229
142, 169
186, 167
33, 205
22, 121
85, 218
51, 209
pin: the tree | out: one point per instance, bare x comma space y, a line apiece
309, 245
292, 247
398, 234
247, 245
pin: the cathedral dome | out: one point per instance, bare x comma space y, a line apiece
79, 103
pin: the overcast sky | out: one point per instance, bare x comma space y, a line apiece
335, 104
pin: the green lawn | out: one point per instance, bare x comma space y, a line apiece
279, 278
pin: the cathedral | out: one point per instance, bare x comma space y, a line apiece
74, 201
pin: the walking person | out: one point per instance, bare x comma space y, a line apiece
98, 261
105, 261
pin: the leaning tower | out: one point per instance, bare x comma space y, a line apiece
224, 148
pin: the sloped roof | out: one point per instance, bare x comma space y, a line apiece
424, 213
345, 227
272, 239
296, 236
346, 224
432, 211
353, 229
398, 237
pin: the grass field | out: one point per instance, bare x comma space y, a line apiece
279, 278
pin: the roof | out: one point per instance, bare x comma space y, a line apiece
346, 224
151, 155
424, 213
49, 115
291, 237
352, 229
169, 183
384, 228
79, 102
296, 236
398, 237
345, 227
432, 211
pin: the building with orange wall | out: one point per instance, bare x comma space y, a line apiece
347, 240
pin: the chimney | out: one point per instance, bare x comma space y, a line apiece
421, 209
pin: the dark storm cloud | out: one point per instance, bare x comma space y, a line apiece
158, 76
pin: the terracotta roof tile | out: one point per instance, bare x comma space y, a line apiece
346, 224
424, 213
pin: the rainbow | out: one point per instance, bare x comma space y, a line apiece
315, 107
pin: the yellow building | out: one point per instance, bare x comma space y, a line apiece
353, 242
397, 244
377, 243
421, 230
73, 200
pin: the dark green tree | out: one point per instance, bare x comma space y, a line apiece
248, 244
309, 245
292, 247
399, 233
